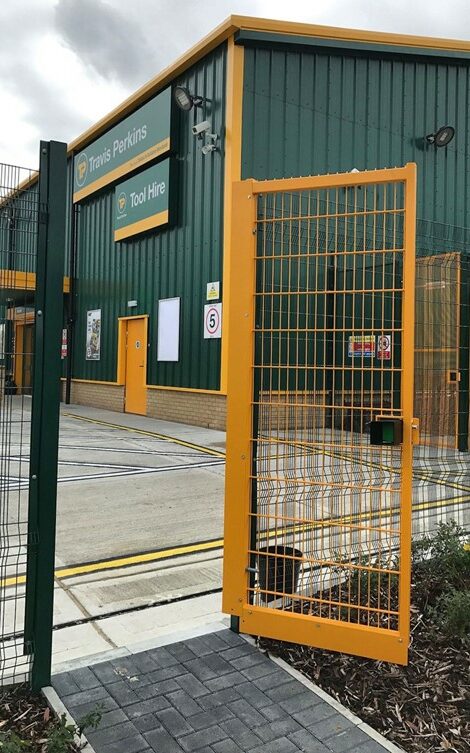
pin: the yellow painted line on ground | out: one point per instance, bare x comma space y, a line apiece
155, 435
138, 559
15, 581
207, 546
126, 561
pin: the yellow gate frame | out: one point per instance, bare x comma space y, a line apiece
316, 630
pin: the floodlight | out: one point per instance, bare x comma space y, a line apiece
185, 100
442, 137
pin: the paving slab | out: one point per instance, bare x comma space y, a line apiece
202, 694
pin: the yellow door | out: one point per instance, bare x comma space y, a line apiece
28, 333
23, 371
136, 364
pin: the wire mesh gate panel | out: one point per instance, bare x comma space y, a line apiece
32, 242
18, 253
318, 520
441, 468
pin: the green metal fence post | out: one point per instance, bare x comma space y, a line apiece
45, 409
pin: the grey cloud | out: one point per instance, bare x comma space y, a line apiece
129, 41
52, 117
41, 103
105, 39
418, 18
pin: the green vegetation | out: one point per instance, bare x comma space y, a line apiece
46, 733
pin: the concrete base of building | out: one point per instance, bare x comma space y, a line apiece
196, 408
96, 395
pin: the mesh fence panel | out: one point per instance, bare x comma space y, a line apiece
441, 461
328, 361
18, 238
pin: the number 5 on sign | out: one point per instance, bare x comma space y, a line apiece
212, 321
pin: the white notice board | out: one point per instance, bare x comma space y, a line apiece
168, 343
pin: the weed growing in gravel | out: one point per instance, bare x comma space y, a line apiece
58, 737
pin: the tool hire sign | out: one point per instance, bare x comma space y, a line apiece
142, 202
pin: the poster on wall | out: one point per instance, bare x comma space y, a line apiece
93, 335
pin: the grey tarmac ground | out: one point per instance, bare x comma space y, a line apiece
128, 485
140, 524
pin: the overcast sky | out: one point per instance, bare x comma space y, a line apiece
66, 63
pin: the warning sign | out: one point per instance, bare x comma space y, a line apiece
361, 346
384, 347
63, 349
212, 321
213, 291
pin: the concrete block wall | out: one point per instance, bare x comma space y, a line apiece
107, 396
196, 408
280, 411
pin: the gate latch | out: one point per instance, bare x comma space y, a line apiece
386, 431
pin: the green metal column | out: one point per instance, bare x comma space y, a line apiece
45, 409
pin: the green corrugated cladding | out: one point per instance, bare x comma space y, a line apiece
316, 111
18, 238
18, 231
313, 111
174, 262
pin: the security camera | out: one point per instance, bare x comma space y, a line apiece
210, 143
201, 128
208, 148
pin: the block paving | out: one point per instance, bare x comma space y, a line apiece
212, 694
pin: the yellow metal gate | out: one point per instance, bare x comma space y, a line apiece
437, 334
318, 519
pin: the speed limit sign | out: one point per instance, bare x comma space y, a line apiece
212, 321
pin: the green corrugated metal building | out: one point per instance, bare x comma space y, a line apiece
282, 99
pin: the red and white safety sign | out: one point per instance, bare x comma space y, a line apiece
384, 347
63, 347
212, 321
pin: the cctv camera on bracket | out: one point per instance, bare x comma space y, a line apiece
199, 129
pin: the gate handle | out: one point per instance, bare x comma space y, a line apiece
415, 431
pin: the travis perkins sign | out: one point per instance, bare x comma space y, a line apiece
139, 138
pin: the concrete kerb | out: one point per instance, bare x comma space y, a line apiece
135, 648
56, 705
195, 632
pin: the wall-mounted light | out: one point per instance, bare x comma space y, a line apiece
442, 137
185, 100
